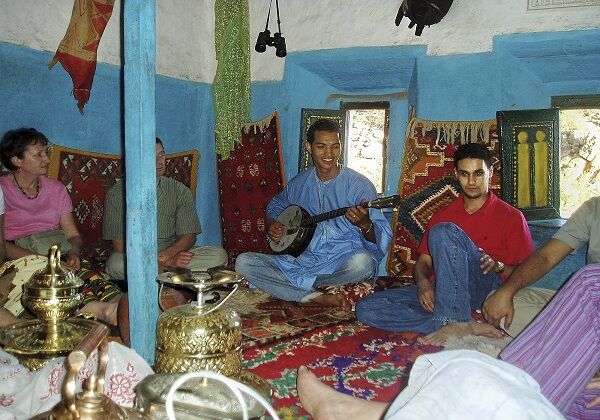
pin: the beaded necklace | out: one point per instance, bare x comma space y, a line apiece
37, 191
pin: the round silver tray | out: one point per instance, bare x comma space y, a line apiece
199, 398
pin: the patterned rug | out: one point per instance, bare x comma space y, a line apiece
355, 359
248, 179
268, 320
427, 180
88, 175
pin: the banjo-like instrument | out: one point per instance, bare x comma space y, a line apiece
300, 226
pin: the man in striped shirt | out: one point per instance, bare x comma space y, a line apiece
177, 223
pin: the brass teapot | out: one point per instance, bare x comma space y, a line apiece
53, 295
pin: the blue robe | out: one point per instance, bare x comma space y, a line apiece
335, 240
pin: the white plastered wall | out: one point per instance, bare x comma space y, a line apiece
185, 29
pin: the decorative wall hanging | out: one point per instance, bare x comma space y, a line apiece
231, 86
530, 156
77, 50
248, 180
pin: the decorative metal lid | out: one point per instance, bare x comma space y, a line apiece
53, 281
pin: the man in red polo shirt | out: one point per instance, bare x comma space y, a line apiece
467, 250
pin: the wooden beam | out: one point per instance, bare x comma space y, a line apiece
139, 34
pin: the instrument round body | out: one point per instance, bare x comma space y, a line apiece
296, 237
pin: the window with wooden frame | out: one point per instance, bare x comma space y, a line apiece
364, 137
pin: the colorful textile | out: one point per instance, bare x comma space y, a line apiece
269, 320
248, 179
88, 175
355, 359
24, 216
25, 394
427, 181
231, 86
77, 50
561, 347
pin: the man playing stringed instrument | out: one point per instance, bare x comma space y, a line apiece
343, 250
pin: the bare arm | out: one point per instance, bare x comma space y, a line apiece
14, 251
177, 255
500, 304
67, 224
422, 271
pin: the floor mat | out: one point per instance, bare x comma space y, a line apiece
353, 358
266, 319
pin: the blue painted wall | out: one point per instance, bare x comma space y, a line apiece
34, 96
523, 71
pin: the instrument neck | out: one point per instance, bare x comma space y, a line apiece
327, 215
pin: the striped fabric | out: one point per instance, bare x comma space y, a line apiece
176, 212
561, 347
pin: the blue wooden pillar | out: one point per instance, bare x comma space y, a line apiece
139, 32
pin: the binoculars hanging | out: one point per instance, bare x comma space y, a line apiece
265, 38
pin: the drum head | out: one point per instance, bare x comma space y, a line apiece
25, 267
291, 217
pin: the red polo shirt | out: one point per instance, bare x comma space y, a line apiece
497, 227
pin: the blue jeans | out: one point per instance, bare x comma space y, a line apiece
262, 272
460, 286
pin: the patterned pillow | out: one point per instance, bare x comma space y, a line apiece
88, 175
427, 181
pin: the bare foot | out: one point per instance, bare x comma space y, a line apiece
338, 300
460, 330
323, 402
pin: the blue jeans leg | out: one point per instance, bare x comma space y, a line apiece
459, 287
460, 284
395, 310
359, 267
262, 272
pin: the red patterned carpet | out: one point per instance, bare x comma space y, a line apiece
355, 359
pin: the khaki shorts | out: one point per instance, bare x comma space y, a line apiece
528, 303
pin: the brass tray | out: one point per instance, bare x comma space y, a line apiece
38, 339
199, 398
198, 281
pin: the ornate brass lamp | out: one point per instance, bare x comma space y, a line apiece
199, 336
53, 295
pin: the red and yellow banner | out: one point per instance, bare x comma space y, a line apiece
77, 50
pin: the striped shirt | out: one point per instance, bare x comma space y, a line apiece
176, 212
